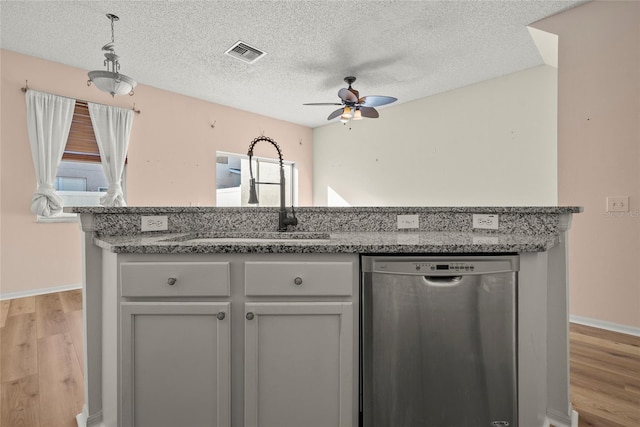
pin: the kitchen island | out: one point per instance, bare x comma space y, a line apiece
309, 274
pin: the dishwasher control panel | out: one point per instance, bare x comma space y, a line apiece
440, 266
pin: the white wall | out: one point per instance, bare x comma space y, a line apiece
598, 152
492, 143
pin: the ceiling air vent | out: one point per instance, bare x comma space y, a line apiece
245, 52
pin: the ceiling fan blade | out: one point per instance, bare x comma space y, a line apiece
323, 103
347, 95
376, 101
335, 114
369, 112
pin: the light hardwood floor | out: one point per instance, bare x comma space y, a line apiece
41, 380
605, 377
42, 385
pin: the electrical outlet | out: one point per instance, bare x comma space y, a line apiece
617, 204
154, 223
489, 222
407, 221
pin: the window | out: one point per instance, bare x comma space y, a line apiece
80, 183
80, 179
232, 180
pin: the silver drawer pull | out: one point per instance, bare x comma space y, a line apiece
220, 315
171, 281
298, 281
250, 316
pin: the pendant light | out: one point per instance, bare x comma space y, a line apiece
111, 81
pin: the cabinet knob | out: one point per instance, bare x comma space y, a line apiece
298, 281
171, 281
250, 316
220, 315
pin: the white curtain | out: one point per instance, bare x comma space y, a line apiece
112, 127
48, 123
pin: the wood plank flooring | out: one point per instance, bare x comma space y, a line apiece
41, 360
605, 377
41, 365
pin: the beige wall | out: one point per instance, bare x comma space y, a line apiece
599, 154
488, 144
171, 162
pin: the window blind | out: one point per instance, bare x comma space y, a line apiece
81, 145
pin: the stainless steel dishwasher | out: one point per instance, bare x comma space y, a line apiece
438, 341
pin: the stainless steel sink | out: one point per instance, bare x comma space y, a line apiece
251, 237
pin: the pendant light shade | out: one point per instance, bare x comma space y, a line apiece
113, 83
110, 80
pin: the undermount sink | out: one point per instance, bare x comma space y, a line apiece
251, 240
251, 237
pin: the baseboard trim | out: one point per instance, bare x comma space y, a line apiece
563, 421
609, 326
41, 291
83, 420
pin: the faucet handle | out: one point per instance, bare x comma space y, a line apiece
293, 220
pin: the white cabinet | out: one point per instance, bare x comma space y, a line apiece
299, 350
298, 364
175, 364
298, 279
174, 279
293, 325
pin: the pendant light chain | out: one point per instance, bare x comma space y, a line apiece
115, 64
112, 39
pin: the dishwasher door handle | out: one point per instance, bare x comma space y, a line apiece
442, 280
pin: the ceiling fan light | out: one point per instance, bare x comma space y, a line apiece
352, 107
346, 113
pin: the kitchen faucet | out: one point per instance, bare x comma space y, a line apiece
284, 219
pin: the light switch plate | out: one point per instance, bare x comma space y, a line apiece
487, 222
154, 223
408, 221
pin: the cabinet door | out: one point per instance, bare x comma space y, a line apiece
175, 364
298, 364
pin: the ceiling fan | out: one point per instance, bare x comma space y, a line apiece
354, 107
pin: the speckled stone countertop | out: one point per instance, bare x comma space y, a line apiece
151, 210
343, 229
356, 242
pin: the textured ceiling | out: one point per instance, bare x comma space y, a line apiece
405, 49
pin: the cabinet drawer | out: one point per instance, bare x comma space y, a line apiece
174, 279
298, 278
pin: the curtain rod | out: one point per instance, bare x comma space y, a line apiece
26, 87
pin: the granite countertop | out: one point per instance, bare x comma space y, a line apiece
351, 209
363, 230
340, 242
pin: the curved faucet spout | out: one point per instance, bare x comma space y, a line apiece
284, 220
